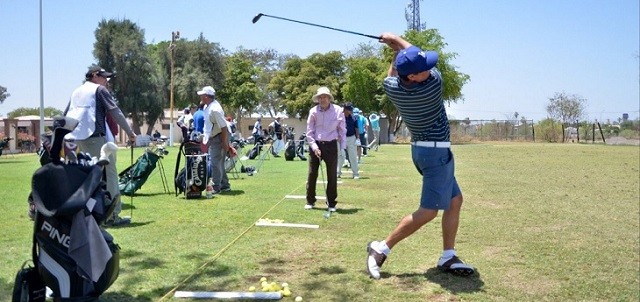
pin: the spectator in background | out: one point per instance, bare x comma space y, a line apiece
257, 129
374, 119
363, 126
184, 122
276, 129
198, 123
350, 142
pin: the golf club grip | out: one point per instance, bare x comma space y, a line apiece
327, 27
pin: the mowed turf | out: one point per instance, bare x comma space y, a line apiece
551, 222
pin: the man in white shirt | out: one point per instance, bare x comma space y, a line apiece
216, 138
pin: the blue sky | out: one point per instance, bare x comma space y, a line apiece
517, 52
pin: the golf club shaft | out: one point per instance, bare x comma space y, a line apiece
323, 26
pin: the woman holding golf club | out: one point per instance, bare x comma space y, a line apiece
325, 130
414, 86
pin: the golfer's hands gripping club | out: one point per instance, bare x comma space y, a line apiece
394, 42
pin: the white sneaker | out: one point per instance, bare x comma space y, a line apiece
308, 207
331, 209
374, 260
356, 177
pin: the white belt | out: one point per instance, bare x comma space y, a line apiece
432, 144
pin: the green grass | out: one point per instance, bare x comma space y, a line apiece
541, 222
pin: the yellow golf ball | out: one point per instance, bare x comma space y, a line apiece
298, 299
263, 279
252, 289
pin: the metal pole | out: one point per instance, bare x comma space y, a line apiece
174, 36
41, 82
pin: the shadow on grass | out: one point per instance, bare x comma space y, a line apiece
338, 209
455, 284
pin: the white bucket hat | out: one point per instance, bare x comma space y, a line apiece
321, 91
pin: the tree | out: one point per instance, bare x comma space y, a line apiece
300, 78
240, 90
566, 108
3, 94
364, 77
24, 111
120, 47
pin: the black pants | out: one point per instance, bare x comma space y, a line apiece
329, 155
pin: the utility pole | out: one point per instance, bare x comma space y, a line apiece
174, 36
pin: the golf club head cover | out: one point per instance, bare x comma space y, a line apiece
62, 125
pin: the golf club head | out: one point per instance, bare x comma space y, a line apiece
257, 17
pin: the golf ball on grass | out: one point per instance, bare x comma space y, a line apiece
298, 299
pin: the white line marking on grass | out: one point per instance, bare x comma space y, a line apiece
302, 197
288, 225
229, 295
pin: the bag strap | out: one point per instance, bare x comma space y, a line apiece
34, 251
175, 174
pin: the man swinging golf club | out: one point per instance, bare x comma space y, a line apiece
414, 86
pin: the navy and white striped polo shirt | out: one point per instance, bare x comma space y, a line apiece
421, 107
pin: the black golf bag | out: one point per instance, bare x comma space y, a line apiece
132, 178
193, 178
257, 148
76, 258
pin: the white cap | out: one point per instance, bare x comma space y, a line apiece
208, 90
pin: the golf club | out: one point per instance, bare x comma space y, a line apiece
258, 16
327, 214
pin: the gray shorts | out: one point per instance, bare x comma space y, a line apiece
439, 185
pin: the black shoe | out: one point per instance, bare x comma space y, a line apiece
374, 261
456, 267
118, 221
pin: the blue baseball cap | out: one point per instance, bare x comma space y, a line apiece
414, 60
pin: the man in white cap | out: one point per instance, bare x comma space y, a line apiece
414, 86
326, 132
216, 138
91, 104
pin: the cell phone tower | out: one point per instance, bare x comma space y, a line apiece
412, 14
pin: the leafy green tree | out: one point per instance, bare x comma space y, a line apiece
565, 107
300, 78
240, 90
120, 47
3, 94
24, 111
363, 85
267, 62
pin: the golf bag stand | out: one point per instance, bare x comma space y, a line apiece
76, 258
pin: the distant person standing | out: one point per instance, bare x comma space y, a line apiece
257, 130
363, 126
90, 104
276, 128
325, 134
349, 148
198, 123
184, 122
414, 86
216, 138
374, 120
